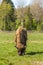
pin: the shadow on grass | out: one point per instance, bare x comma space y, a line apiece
34, 53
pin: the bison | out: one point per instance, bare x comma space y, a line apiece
20, 39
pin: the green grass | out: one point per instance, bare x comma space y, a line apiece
35, 36
9, 55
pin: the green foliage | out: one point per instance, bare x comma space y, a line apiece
30, 24
27, 23
6, 15
11, 20
34, 24
18, 23
40, 27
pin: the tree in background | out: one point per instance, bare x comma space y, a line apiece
24, 16
30, 16
7, 15
20, 12
37, 12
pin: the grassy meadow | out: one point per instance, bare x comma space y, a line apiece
34, 50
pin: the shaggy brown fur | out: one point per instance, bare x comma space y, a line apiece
20, 39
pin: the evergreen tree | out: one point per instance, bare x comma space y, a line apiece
7, 17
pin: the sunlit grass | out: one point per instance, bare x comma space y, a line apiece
9, 55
